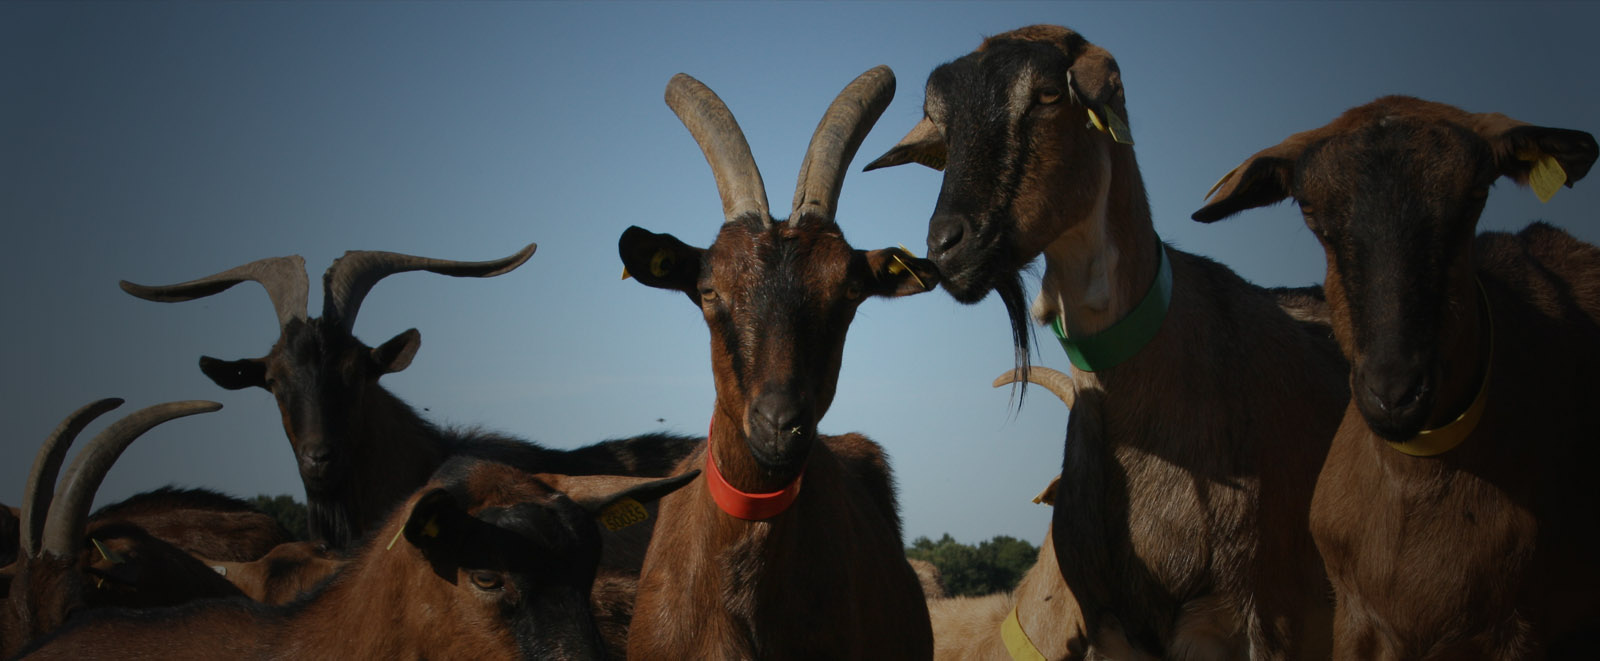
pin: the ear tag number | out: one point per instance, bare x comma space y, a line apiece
623, 513
661, 263
1546, 177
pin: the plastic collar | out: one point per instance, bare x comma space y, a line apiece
1121, 340
1016, 640
1439, 440
742, 505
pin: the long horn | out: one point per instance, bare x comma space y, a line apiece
1052, 380
724, 146
46, 465
283, 277
838, 135
63, 528
350, 277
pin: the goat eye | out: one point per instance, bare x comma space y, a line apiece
484, 580
708, 295
1049, 95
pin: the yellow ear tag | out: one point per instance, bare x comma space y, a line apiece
661, 263
1094, 120
1546, 177
1048, 496
623, 513
899, 265
105, 552
1113, 125
1221, 181
625, 274
431, 529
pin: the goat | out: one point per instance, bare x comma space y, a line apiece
283, 574
359, 449
1181, 517
483, 561
47, 583
1456, 509
747, 563
1038, 619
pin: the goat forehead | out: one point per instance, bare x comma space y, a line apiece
780, 259
1397, 170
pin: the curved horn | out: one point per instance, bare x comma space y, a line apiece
283, 277
63, 528
838, 135
1052, 380
349, 278
724, 146
46, 464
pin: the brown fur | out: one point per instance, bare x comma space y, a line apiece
413, 592
282, 575
1488, 550
1181, 517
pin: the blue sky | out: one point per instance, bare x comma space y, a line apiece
162, 142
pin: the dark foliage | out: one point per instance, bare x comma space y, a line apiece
996, 565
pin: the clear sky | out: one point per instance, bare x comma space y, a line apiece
163, 142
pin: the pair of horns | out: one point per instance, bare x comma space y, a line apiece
344, 285
54, 516
833, 144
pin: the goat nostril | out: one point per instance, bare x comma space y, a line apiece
1398, 395
945, 234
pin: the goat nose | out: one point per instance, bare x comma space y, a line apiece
1396, 393
944, 233
781, 414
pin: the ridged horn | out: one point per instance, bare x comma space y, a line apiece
283, 277
349, 279
46, 465
63, 528
1052, 380
834, 143
724, 146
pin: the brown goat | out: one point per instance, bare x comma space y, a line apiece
53, 577
1456, 509
359, 449
1181, 517
485, 561
282, 575
823, 573
1043, 615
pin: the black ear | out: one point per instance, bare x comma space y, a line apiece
235, 374
1574, 150
896, 272
435, 527
396, 354
660, 260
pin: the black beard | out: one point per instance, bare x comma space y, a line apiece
1016, 301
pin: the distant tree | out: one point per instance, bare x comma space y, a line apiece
288, 511
993, 566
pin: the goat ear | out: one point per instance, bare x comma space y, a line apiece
1525, 152
596, 493
896, 272
660, 260
924, 144
434, 526
396, 354
1096, 82
235, 374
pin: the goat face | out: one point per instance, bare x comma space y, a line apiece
778, 299
517, 550
1007, 124
1393, 190
318, 372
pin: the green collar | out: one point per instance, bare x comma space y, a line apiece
1123, 339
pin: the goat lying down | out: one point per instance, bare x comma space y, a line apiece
1456, 510
1181, 518
485, 561
752, 561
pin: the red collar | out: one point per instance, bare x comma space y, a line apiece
747, 506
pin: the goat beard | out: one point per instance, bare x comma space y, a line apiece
1015, 298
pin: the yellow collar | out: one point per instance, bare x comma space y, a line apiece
1439, 440
1016, 640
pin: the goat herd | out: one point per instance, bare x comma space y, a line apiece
1390, 466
